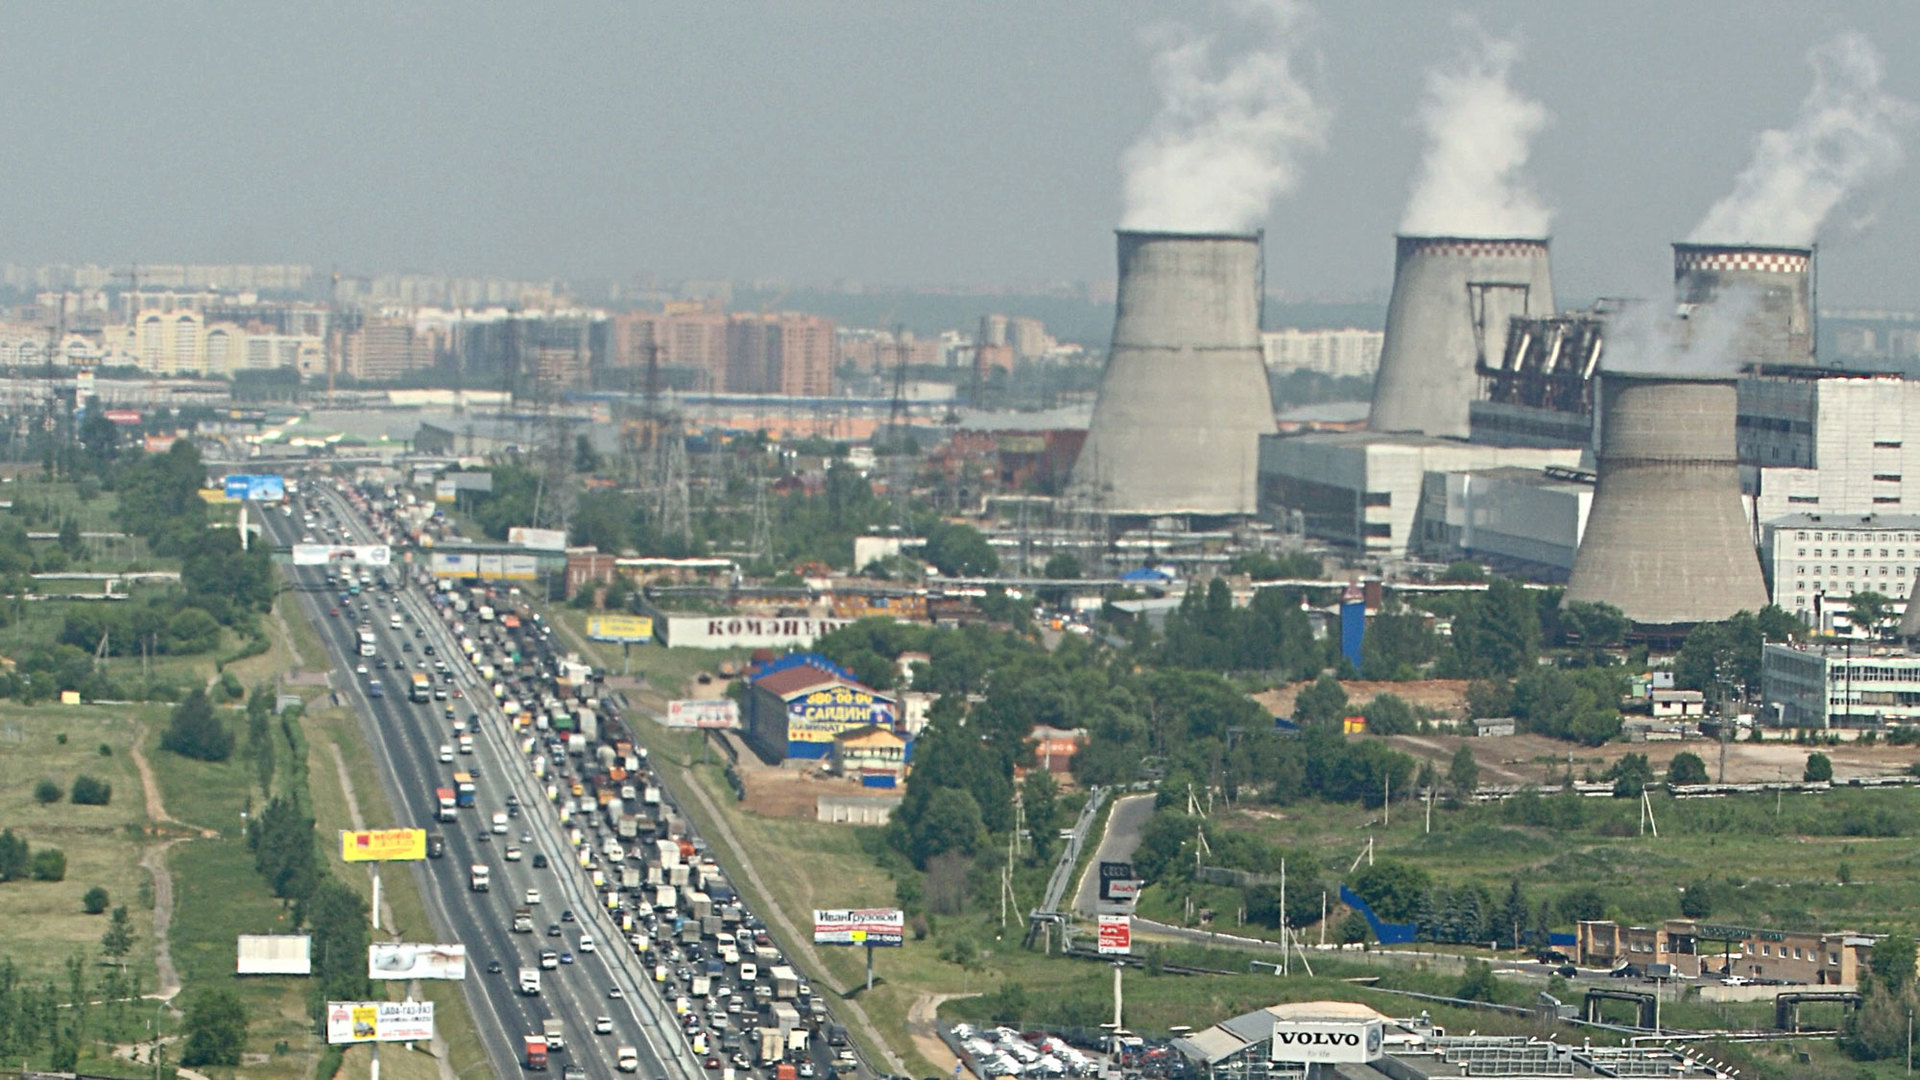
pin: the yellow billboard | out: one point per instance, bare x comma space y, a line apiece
217, 496
383, 845
620, 627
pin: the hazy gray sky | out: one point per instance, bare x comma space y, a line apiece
887, 142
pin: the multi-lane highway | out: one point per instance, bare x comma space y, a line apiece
406, 738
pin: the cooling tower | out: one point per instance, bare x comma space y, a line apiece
1776, 282
1452, 297
1666, 540
1183, 400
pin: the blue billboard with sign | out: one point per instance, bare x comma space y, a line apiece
261, 488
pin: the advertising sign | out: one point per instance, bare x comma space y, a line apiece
124, 417
383, 845
274, 954
834, 710
444, 491
859, 926
538, 539
624, 628
444, 564
399, 960
733, 632
261, 488
357, 554
1116, 935
470, 481
704, 713
1117, 881
519, 567
493, 566
1327, 1041
379, 1021
83, 384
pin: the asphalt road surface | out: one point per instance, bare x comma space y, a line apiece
1124, 824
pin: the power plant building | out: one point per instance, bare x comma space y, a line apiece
1667, 539
1523, 523
1828, 442
1816, 561
1183, 400
1839, 686
1453, 298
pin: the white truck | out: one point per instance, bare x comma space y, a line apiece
556, 1041
628, 1058
529, 981
479, 876
366, 641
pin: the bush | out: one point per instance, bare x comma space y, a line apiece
1819, 769
196, 732
46, 792
91, 791
50, 864
95, 901
105, 750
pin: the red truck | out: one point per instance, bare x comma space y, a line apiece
536, 1051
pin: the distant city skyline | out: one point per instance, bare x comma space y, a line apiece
898, 146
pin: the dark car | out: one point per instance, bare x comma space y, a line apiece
493, 967
553, 929
567, 915
539, 862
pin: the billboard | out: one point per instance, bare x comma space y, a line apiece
124, 417
275, 954
1327, 1041
859, 926
835, 710
444, 491
1116, 935
469, 481
357, 554
256, 488
628, 628
519, 567
704, 713
733, 632
538, 539
379, 1021
399, 960
1117, 881
443, 564
383, 845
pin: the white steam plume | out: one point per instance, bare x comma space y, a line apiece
1713, 339
1478, 129
1225, 142
1846, 136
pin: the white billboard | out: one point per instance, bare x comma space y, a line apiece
859, 926
1327, 1041
1116, 935
445, 564
704, 713
735, 631
537, 539
379, 1021
356, 554
275, 954
400, 960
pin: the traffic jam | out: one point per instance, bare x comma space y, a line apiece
741, 1006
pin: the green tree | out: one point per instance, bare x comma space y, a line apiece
1389, 714
1063, 566
337, 917
1868, 611
1391, 888
1630, 776
1040, 802
1463, 773
1479, 983
951, 823
1397, 644
94, 901
46, 792
1893, 961
1592, 626
1819, 769
1497, 632
196, 732
960, 551
1510, 921
16, 856
118, 939
49, 864
1323, 702
1354, 929
1583, 904
216, 1028
1686, 768
1696, 900
91, 791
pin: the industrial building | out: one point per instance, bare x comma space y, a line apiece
1183, 400
1521, 522
1343, 1040
1775, 285
1363, 490
1826, 686
798, 705
1814, 562
1830, 442
1696, 948
1667, 540
1452, 300
1538, 390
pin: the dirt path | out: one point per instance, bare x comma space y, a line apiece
359, 822
796, 941
154, 861
923, 1026
150, 787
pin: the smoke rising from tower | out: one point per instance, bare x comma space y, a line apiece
1228, 138
1846, 136
1479, 131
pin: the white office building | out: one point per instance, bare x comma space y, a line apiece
1347, 351
1814, 562
1830, 443
1832, 686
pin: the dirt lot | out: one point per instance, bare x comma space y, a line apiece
1523, 759
1447, 697
786, 792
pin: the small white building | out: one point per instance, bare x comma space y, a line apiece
1668, 704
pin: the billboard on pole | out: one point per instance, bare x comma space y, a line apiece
357, 554
859, 926
624, 628
538, 539
444, 491
1116, 935
399, 960
1118, 882
723, 713
383, 845
274, 954
379, 1021
262, 488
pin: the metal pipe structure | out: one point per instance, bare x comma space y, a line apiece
1452, 298
1776, 282
1666, 540
1184, 399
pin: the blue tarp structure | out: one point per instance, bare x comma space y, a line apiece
1562, 941
1353, 629
1147, 576
1385, 933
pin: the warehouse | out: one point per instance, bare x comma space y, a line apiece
798, 705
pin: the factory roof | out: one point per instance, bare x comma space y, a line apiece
1846, 521
1229, 1037
1325, 412
792, 682
1064, 418
1550, 477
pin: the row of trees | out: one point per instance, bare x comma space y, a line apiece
19, 862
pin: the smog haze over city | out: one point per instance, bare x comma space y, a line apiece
891, 144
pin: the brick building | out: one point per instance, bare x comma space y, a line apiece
1698, 948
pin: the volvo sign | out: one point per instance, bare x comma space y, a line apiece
1327, 1041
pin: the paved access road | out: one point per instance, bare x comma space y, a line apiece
1117, 844
405, 739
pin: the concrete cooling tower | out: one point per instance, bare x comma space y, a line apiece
1776, 282
1184, 400
1452, 297
1667, 540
